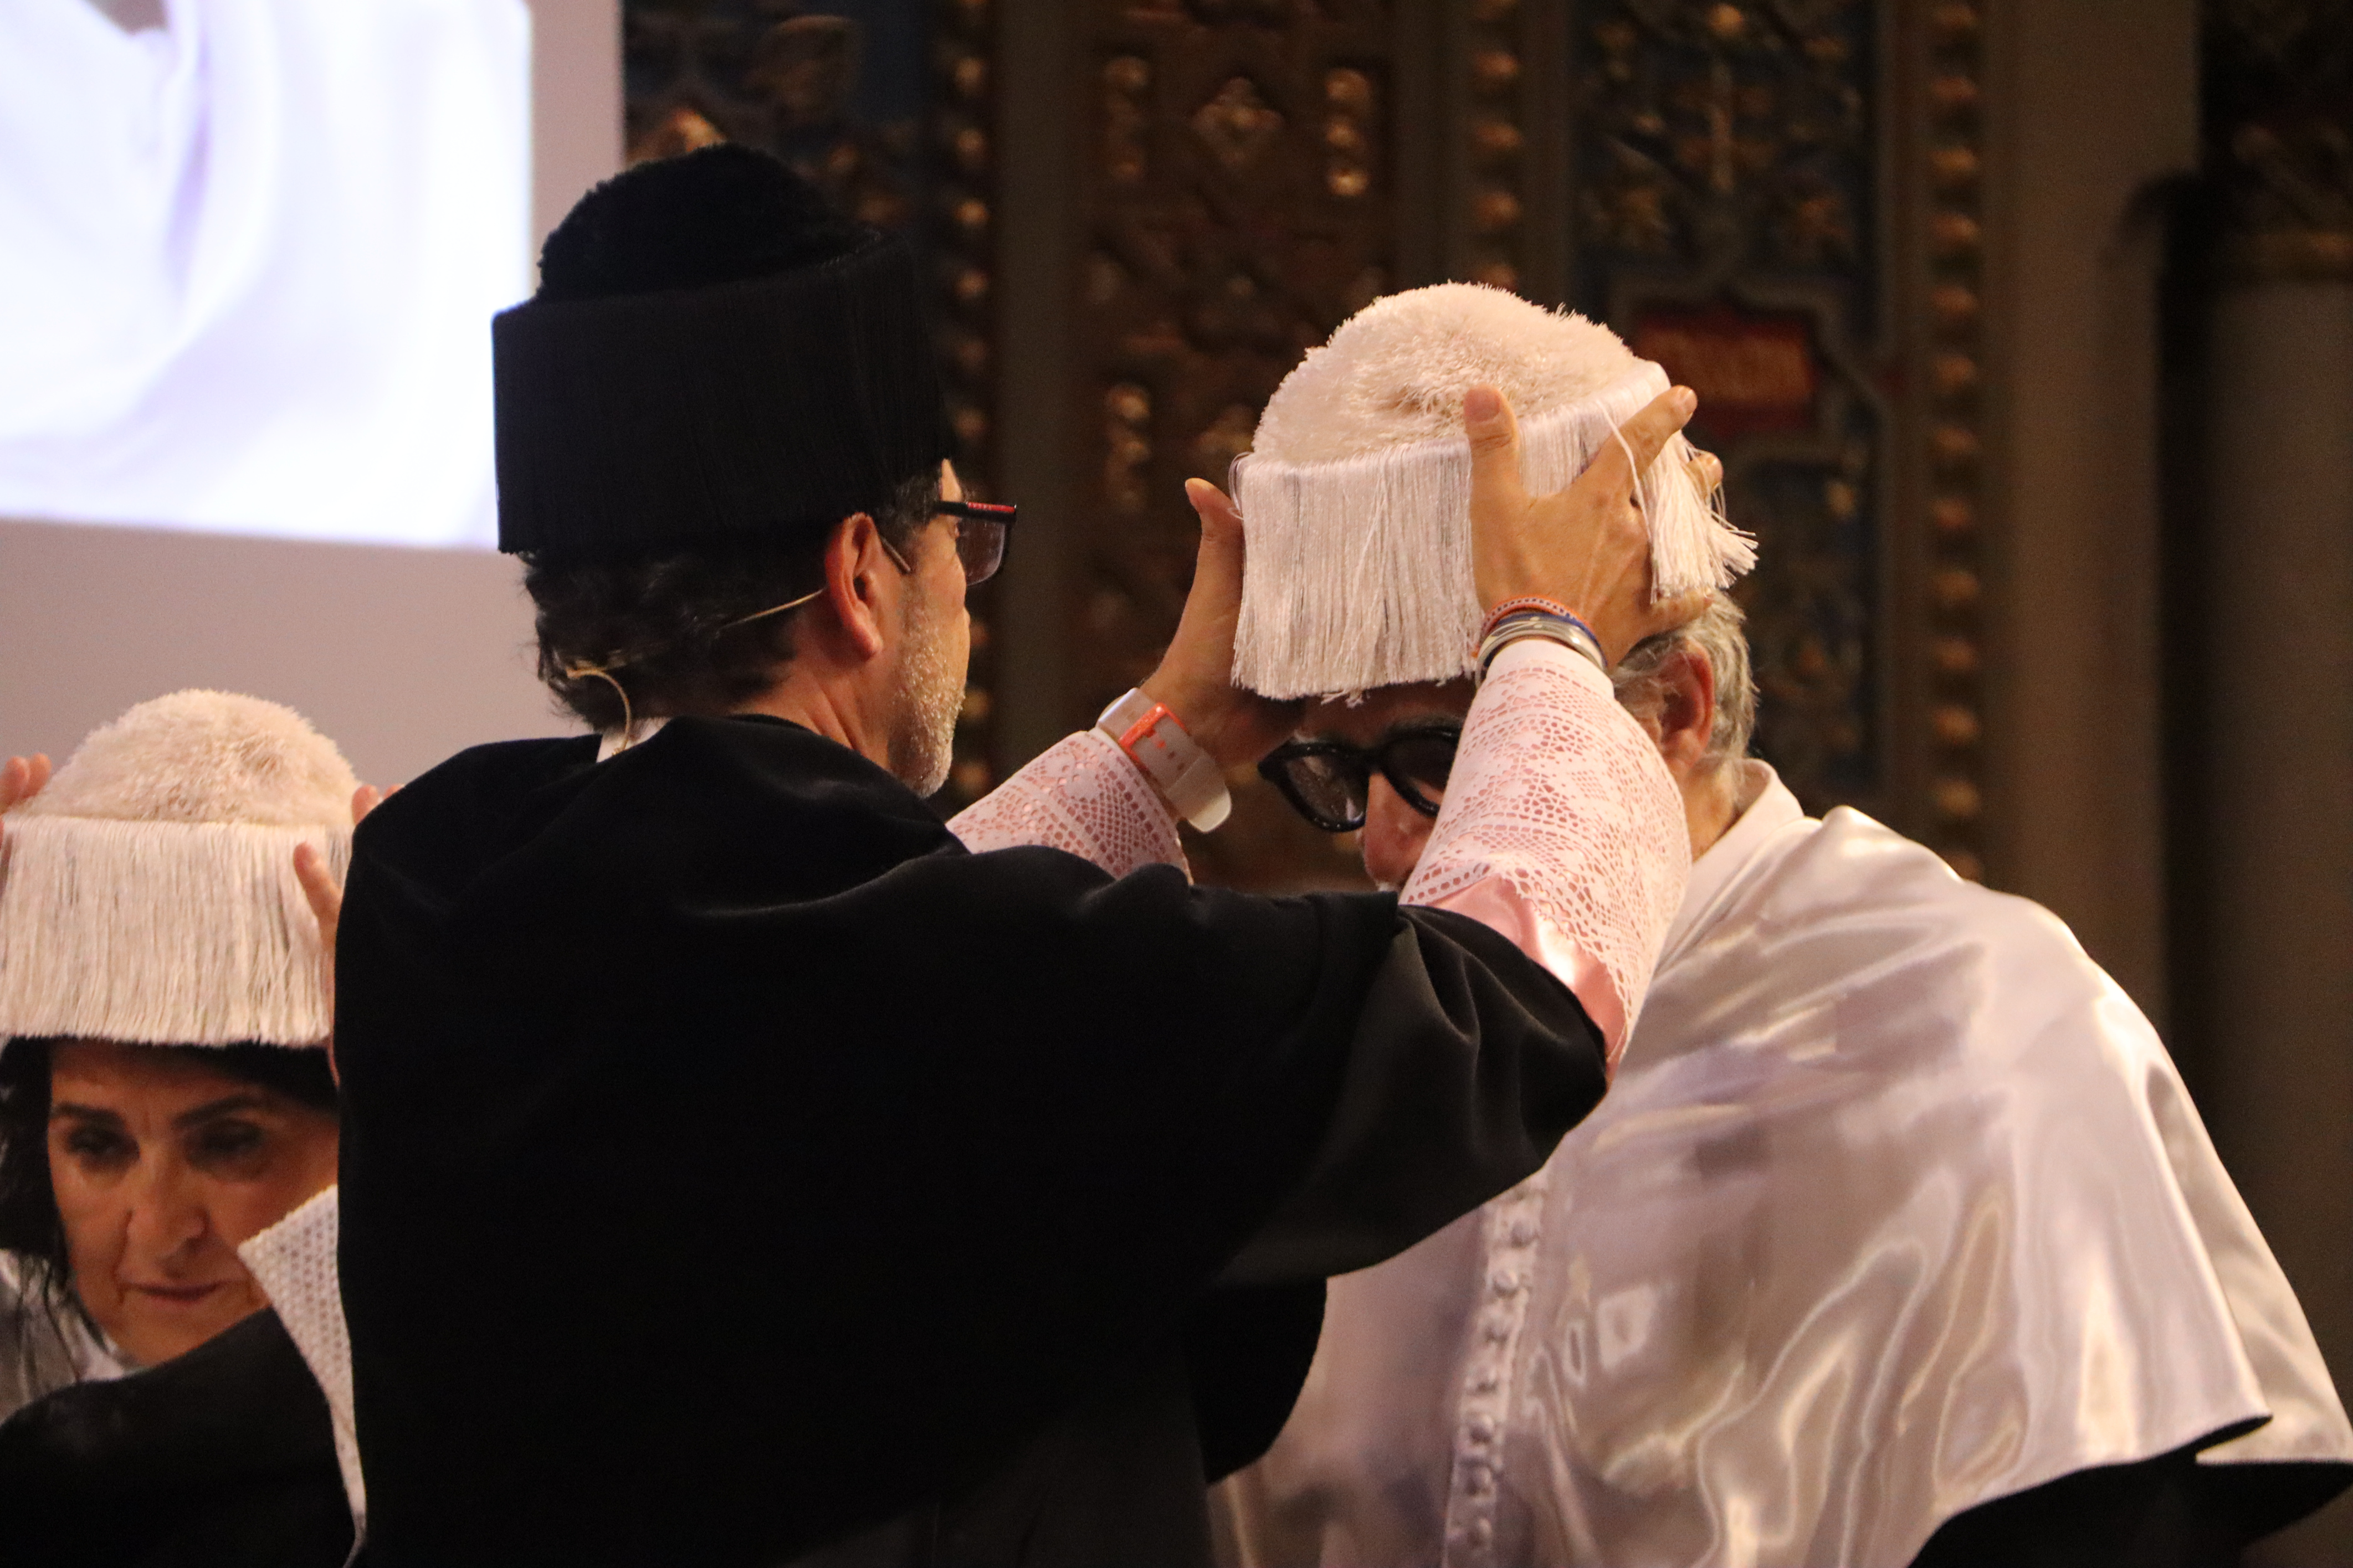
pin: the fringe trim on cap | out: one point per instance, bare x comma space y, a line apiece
161, 932
1358, 573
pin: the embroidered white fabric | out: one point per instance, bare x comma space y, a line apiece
1482, 1418
1897, 1206
1081, 795
1562, 829
294, 1260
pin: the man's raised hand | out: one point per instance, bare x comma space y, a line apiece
319, 885
1195, 677
1585, 546
21, 779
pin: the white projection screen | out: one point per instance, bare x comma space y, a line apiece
246, 293
248, 254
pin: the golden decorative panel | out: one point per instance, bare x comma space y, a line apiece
1782, 204
1235, 207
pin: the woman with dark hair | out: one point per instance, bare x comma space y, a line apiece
167, 1118
128, 1175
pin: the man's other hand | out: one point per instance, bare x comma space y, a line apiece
1587, 546
21, 779
1195, 677
319, 885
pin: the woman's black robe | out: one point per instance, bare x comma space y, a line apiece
223, 1458
734, 1167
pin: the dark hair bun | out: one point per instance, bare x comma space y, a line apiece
717, 214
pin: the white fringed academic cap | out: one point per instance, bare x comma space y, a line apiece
1357, 495
148, 894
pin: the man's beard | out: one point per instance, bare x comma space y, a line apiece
930, 696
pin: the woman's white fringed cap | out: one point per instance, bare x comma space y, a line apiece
1357, 493
148, 894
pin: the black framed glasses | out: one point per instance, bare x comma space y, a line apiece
983, 530
1330, 782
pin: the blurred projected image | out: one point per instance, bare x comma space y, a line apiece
249, 250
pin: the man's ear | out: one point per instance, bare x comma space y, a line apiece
854, 565
1686, 715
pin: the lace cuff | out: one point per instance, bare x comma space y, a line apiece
294, 1262
1081, 795
1562, 830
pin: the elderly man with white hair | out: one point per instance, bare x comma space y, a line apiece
1897, 1238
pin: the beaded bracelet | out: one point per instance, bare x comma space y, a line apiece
1540, 605
1528, 601
1519, 625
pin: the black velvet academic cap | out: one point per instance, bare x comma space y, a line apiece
714, 352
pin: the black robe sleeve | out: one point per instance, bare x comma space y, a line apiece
2166, 1512
1245, 1350
1450, 1096
223, 1458
1424, 1128
717, 1129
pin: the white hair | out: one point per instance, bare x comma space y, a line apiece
1715, 635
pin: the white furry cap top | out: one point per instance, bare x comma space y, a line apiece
148, 894
1356, 494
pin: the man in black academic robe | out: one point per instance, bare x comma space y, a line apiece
737, 1167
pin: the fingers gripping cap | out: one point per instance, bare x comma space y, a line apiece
1356, 494
148, 894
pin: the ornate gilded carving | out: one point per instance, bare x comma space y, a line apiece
1238, 124
1496, 252
1127, 446
893, 123
961, 118
1348, 142
1238, 207
2279, 131
1726, 227
1125, 122
1711, 128
1953, 548
783, 77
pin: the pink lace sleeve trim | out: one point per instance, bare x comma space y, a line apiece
1081, 795
1562, 830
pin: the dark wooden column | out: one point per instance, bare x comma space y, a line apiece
2259, 627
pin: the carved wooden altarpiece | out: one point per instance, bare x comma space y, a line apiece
1779, 200
1239, 202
